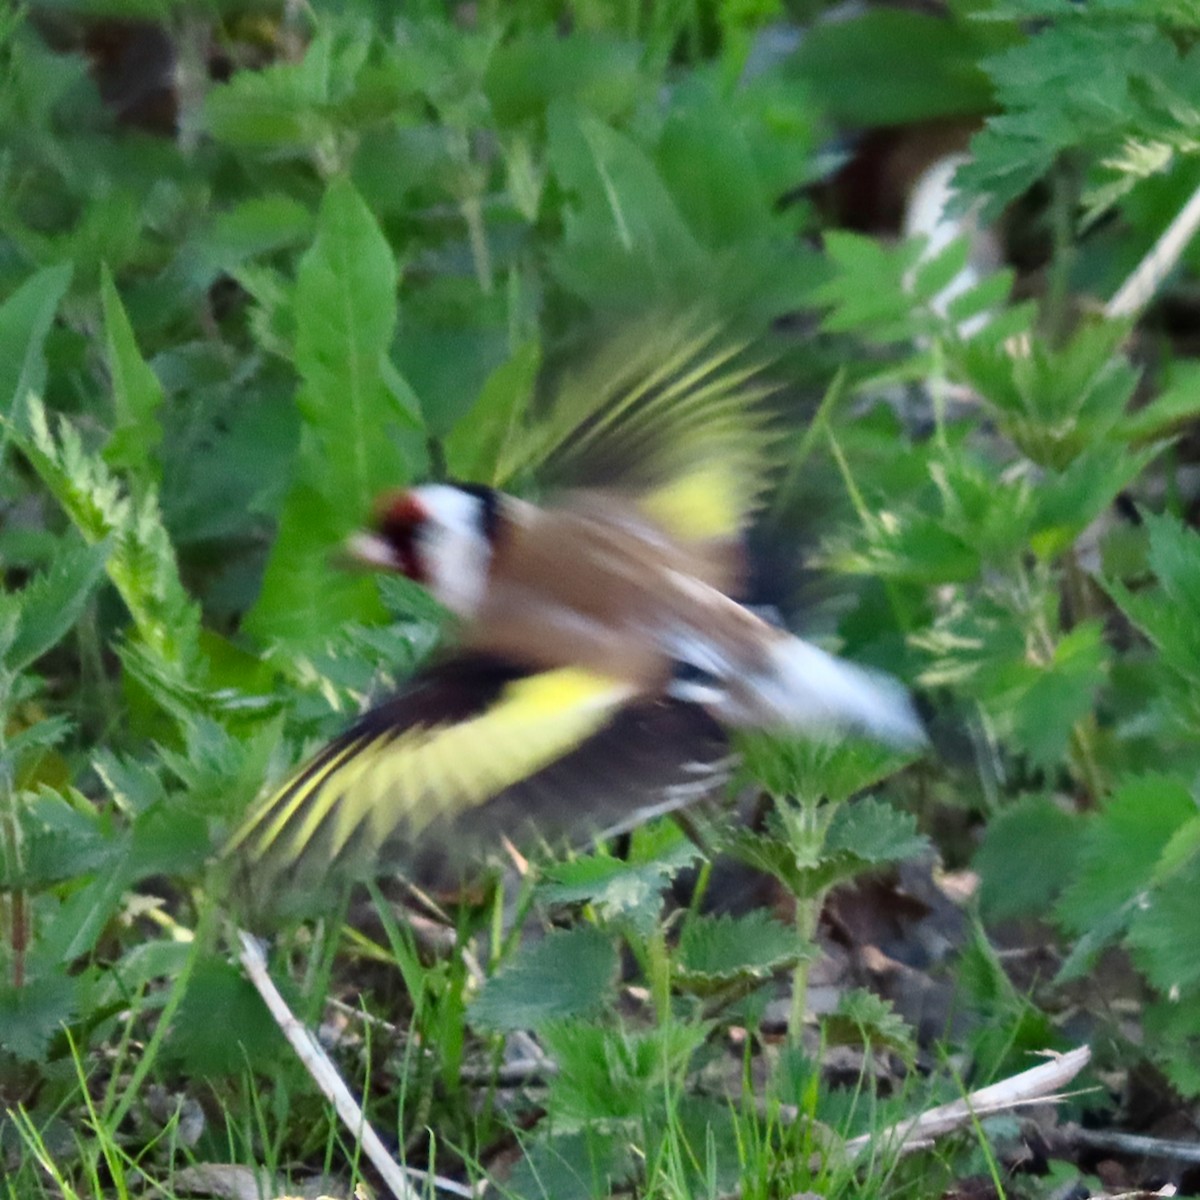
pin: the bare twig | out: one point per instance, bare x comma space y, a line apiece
333, 1087
1138, 290
1039, 1084
1135, 1143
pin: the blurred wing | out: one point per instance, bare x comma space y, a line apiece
473, 750
669, 413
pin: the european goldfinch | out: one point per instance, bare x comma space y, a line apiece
603, 658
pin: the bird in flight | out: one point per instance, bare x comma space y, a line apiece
603, 657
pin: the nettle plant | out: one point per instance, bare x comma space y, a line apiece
1056, 622
383, 231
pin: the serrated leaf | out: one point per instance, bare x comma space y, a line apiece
1177, 406
1173, 1038
863, 1018
137, 393
25, 319
1175, 560
567, 974
1180, 852
345, 321
715, 951
815, 769
141, 563
1162, 934
933, 274
572, 1166
618, 888
304, 597
222, 1027
874, 832
30, 1016
1122, 846
1026, 857
77, 925
54, 600
1060, 693
59, 841
609, 1076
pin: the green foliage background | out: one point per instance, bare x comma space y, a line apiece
340, 267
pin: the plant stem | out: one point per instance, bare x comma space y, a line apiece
808, 913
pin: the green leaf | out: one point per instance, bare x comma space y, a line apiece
345, 320
706, 159
25, 319
481, 445
1068, 501
568, 973
863, 1018
222, 1027
617, 888
1170, 410
622, 228
610, 1077
1179, 853
285, 107
61, 840
815, 769
1122, 846
304, 596
32, 1015
54, 600
1173, 1038
572, 1166
889, 66
529, 72
137, 393
715, 951
141, 564
76, 927
872, 831
1060, 693
1162, 934
1026, 858
1086, 84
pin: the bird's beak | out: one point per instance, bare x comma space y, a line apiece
363, 549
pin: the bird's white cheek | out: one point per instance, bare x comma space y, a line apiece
458, 564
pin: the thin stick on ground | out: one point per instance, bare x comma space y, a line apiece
1138, 1144
1138, 290
1040, 1084
325, 1075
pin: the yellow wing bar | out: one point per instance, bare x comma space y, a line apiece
379, 778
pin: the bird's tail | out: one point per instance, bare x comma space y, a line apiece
808, 690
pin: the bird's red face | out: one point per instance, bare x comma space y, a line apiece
399, 521
439, 535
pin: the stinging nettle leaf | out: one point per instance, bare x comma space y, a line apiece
875, 832
54, 601
137, 393
25, 319
716, 951
569, 973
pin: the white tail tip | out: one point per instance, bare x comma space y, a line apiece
815, 692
